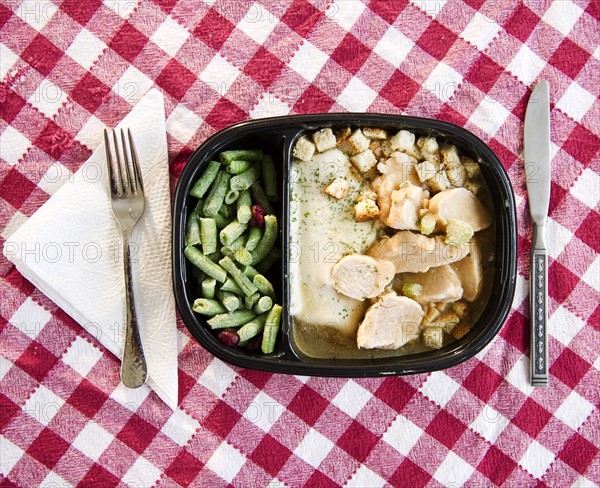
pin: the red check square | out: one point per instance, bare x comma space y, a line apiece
350, 53
446, 428
82, 12
225, 113
166, 5
387, 10
437, 40
484, 73
48, 448
137, 433
12, 105
532, 417
569, 368
15, 187
8, 410
482, 381
308, 405
409, 475
264, 67
36, 361
400, 90
87, 398
98, 477
578, 453
271, 455
313, 100
41, 54
395, 392
175, 79
358, 441
302, 16
128, 42
562, 281
222, 419
569, 58
184, 468
522, 22
587, 232
319, 480
5, 14
496, 465
90, 92
213, 29
582, 144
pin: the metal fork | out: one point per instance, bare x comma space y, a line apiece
127, 198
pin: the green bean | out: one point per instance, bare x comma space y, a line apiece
251, 155
249, 271
229, 300
266, 263
268, 240
263, 305
243, 256
254, 237
239, 243
233, 319
192, 229
231, 286
221, 221
244, 180
208, 235
231, 196
271, 329
208, 287
258, 194
264, 286
269, 177
226, 210
253, 328
214, 201
241, 279
237, 166
203, 183
206, 306
244, 202
230, 233
205, 264
250, 301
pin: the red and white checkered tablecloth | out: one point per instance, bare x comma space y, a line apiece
69, 68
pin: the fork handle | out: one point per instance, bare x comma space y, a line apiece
133, 365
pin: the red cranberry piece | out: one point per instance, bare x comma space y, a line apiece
258, 216
228, 338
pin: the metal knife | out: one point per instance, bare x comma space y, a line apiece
537, 177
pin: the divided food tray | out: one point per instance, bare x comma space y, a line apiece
276, 136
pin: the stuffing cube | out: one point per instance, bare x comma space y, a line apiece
474, 186
366, 210
425, 170
304, 149
364, 161
386, 148
338, 188
430, 149
471, 167
439, 182
374, 133
367, 194
431, 315
447, 321
324, 140
342, 135
457, 174
460, 308
356, 143
405, 141
459, 331
433, 336
449, 155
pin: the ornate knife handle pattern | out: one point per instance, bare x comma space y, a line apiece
539, 318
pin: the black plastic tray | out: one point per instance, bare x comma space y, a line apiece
276, 136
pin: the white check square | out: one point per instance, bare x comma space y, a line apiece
518, 376
86, 48
574, 410
226, 462
430, 7
346, 13
11, 454
30, 318
43, 405
352, 398
14, 145
258, 23
537, 459
563, 15
183, 123
454, 470
592, 274
564, 326
561, 236
402, 435
170, 36
480, 31
133, 85
357, 96
5, 366
269, 106
365, 477
219, 74
82, 356
587, 188
142, 473
314, 448
308, 60
489, 424
123, 8
217, 377
180, 427
489, 116
37, 13
263, 411
443, 81
92, 133
394, 46
48, 98
526, 65
93, 440
576, 101
7, 61
440, 388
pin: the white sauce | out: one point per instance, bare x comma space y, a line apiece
323, 230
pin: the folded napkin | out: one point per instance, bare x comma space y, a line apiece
76, 259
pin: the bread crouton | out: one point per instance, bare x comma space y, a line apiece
366, 210
342, 135
356, 143
431, 315
374, 133
304, 149
425, 170
338, 188
471, 167
459, 331
366, 194
433, 336
430, 149
364, 161
474, 186
324, 140
460, 309
439, 182
405, 141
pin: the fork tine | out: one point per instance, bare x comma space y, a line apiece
109, 164
121, 185
139, 182
131, 184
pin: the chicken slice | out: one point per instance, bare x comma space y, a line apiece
390, 323
440, 284
461, 204
410, 252
406, 203
359, 276
470, 271
395, 170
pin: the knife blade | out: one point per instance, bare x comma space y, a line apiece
537, 179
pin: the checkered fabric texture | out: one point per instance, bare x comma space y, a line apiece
70, 68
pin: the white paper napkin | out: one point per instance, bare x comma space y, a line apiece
70, 249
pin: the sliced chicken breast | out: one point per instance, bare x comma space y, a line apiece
406, 203
470, 271
440, 284
410, 252
358, 276
390, 323
461, 204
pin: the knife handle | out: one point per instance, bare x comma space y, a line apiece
539, 317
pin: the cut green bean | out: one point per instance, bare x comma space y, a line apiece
230, 233
221, 221
215, 256
243, 256
237, 166
249, 271
233, 319
269, 177
271, 329
253, 328
250, 301
266, 263
206, 306
241, 279
254, 237
239, 243
203, 183
268, 240
244, 180
259, 196
205, 264
229, 300
231, 196
251, 155
215, 198
208, 287
264, 286
208, 235
231, 286
263, 305
192, 230
244, 202
226, 210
